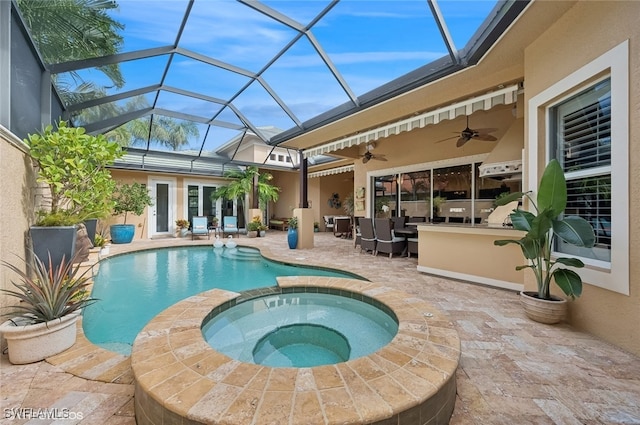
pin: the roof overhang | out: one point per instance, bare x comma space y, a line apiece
484, 102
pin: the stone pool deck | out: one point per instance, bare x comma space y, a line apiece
512, 371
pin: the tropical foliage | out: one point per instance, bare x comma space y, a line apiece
543, 227
243, 184
73, 165
46, 292
66, 30
293, 223
131, 198
182, 223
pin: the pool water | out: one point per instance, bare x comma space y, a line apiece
133, 288
300, 329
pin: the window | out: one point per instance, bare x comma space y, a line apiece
280, 158
199, 201
445, 191
581, 141
272, 156
586, 115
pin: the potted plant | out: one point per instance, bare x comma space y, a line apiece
129, 198
263, 230
348, 204
316, 227
102, 243
542, 227
43, 323
292, 233
72, 165
254, 227
183, 227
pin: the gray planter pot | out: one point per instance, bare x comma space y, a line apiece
91, 225
59, 242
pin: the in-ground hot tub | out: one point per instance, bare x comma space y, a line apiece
411, 380
301, 329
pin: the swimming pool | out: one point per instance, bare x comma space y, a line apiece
133, 288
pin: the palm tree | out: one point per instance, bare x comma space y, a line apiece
67, 30
165, 131
248, 181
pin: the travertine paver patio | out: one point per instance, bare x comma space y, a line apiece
512, 371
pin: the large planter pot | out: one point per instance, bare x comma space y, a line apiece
292, 238
122, 233
57, 241
252, 233
32, 343
91, 225
543, 311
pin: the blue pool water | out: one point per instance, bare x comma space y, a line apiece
300, 330
134, 288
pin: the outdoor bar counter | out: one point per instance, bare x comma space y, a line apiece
467, 252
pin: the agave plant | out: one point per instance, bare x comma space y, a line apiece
46, 292
543, 227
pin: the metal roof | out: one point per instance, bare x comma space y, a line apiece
230, 67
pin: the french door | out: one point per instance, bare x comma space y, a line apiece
163, 212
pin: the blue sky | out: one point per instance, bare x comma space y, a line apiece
369, 42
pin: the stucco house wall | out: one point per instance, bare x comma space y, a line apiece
17, 183
584, 33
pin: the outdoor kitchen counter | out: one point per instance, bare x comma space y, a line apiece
467, 252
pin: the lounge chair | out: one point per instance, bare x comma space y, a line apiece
229, 225
199, 226
367, 236
388, 243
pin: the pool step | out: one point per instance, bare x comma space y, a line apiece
242, 254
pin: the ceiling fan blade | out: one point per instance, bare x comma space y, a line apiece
484, 130
379, 157
448, 138
485, 137
461, 141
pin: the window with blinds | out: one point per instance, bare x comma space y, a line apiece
583, 147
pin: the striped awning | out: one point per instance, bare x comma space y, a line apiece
484, 102
331, 171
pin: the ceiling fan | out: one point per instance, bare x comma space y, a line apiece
477, 134
368, 155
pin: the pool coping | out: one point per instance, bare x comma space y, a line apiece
179, 378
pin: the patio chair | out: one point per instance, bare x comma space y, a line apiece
229, 225
399, 222
342, 227
328, 222
367, 235
199, 226
387, 242
412, 246
357, 239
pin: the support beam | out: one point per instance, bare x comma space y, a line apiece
304, 203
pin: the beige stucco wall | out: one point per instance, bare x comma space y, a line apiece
17, 183
585, 32
141, 222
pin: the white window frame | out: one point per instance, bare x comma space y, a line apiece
200, 184
614, 63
